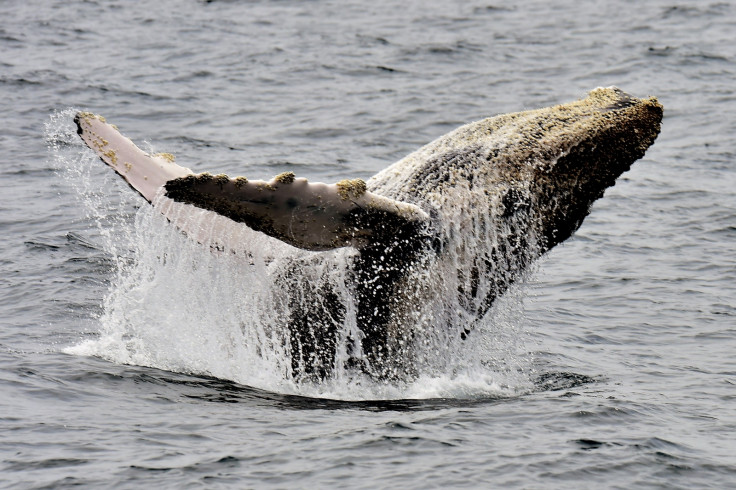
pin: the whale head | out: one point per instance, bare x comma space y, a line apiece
504, 190
585, 147
553, 162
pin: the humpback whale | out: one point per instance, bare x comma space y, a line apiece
434, 238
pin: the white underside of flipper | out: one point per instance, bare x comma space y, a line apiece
313, 216
144, 172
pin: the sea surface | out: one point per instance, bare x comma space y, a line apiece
612, 365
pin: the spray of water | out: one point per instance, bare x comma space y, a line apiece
184, 306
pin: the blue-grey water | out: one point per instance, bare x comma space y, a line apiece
620, 348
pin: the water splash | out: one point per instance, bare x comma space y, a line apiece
190, 307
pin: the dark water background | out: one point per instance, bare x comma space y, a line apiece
629, 328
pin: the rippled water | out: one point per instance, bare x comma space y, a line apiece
622, 342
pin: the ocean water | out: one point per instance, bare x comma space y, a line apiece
612, 364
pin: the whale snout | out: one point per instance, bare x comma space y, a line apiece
611, 131
615, 132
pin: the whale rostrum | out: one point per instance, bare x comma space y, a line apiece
439, 235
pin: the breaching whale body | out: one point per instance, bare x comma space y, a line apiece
435, 238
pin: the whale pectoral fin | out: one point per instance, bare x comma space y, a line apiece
312, 216
145, 173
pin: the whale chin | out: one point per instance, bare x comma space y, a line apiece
438, 235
